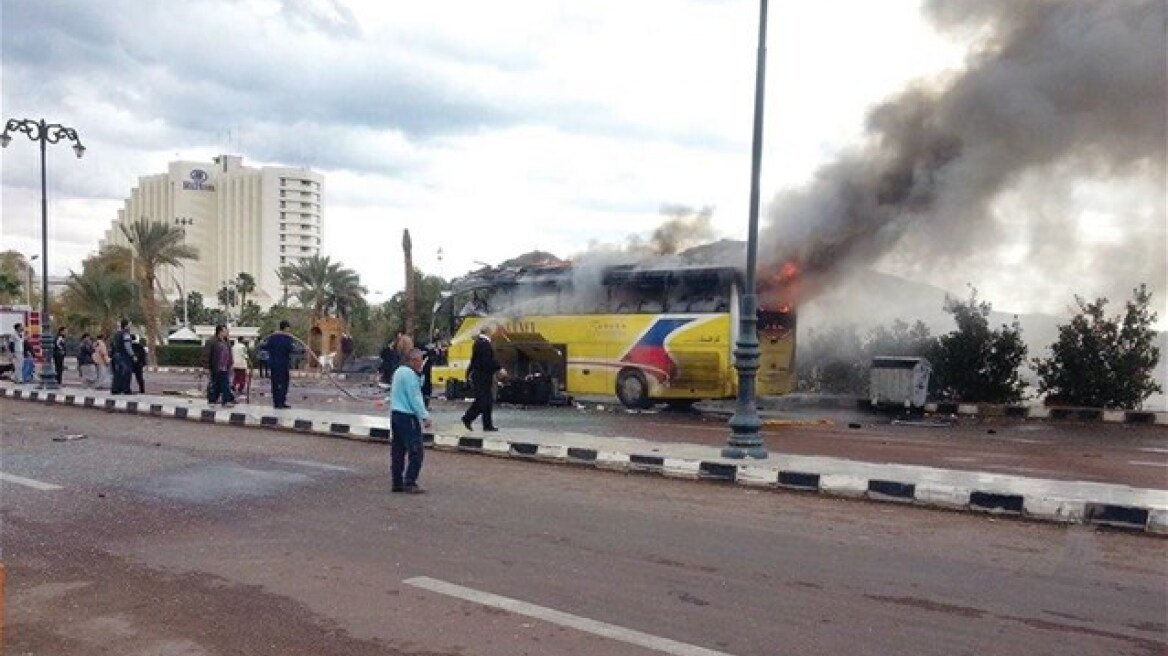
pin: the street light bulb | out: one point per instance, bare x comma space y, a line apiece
79, 149
5, 140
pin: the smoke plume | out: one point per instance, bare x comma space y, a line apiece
1051, 92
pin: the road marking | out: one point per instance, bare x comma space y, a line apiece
664, 645
28, 482
1147, 464
1153, 449
312, 463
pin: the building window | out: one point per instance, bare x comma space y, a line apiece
283, 260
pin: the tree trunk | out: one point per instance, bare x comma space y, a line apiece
150, 304
411, 308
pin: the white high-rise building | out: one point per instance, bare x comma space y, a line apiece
241, 219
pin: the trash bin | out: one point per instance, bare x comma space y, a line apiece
899, 380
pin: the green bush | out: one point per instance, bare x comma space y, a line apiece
180, 355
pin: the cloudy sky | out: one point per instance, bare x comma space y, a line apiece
491, 129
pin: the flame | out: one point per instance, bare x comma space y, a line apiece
780, 287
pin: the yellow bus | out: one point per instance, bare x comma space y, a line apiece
644, 333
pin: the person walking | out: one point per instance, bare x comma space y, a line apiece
59, 353
85, 367
239, 365
482, 369
139, 362
280, 345
101, 361
122, 352
218, 357
407, 417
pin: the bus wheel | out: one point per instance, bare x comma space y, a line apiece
632, 389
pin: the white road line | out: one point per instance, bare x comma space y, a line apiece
314, 464
28, 482
1152, 449
664, 645
1147, 464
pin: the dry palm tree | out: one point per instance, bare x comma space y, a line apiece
155, 245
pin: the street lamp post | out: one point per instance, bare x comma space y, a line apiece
745, 440
45, 134
28, 287
183, 222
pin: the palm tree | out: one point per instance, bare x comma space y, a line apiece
156, 244
325, 286
244, 284
100, 297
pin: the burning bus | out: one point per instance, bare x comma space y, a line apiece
646, 333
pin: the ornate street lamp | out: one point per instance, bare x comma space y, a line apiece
45, 134
745, 440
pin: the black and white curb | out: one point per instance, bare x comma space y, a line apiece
1143, 417
951, 497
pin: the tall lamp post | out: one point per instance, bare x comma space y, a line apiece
183, 222
28, 287
745, 440
44, 134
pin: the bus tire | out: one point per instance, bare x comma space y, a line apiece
633, 389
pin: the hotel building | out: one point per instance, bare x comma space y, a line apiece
241, 219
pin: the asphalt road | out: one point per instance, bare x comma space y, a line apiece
1107, 453
173, 538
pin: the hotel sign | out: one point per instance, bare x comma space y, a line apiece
198, 181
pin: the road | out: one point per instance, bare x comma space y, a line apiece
172, 537
1107, 453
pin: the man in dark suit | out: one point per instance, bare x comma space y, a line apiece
482, 369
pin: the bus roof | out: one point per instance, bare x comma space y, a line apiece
613, 274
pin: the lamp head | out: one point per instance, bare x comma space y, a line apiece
78, 148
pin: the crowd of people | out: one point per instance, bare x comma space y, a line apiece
117, 361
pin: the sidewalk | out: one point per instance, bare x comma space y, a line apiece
1038, 499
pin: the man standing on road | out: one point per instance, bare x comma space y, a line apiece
59, 353
122, 351
407, 417
280, 345
219, 364
85, 366
482, 369
16, 347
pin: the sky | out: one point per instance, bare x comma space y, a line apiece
493, 129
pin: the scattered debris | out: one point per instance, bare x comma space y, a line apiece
69, 438
855, 425
992, 431
922, 423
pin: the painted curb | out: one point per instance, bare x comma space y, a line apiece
932, 495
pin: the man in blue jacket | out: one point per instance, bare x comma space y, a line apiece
408, 415
280, 346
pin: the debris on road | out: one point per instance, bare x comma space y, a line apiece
69, 438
